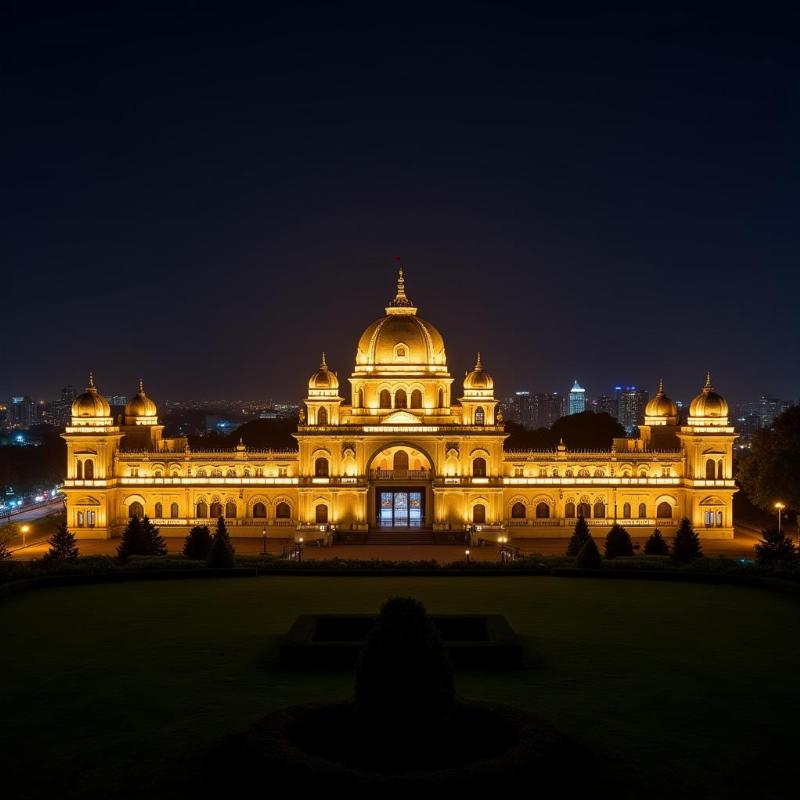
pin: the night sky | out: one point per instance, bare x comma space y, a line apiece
210, 195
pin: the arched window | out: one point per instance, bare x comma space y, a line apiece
230, 510
80, 519
598, 473
719, 470
542, 510
569, 510
173, 511
479, 467
479, 514
480, 416
90, 519
157, 473
322, 417
400, 399
360, 398
231, 473
626, 511
441, 398
321, 514
79, 470
664, 510
583, 473
416, 399
88, 469
385, 398
711, 469
159, 511
584, 510
400, 461
321, 467
600, 510
642, 511
283, 511
216, 510
135, 509
260, 510
202, 510
518, 511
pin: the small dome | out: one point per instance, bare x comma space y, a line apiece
478, 379
708, 403
323, 378
141, 405
91, 403
661, 405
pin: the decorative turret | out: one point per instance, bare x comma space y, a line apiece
478, 402
709, 407
660, 410
478, 382
141, 410
91, 407
323, 379
401, 303
323, 400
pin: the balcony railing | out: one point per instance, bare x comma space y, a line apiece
400, 474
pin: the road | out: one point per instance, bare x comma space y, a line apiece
31, 514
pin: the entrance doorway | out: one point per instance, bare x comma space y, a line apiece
400, 508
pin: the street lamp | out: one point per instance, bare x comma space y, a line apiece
264, 535
24, 529
779, 507
466, 556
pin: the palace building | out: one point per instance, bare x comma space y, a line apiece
400, 456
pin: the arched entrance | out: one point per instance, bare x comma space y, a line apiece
400, 495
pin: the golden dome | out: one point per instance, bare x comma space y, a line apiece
141, 405
708, 403
91, 403
323, 378
478, 379
401, 337
661, 405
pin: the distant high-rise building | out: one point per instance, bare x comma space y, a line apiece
523, 412
630, 406
22, 412
771, 407
548, 407
605, 404
577, 398
117, 399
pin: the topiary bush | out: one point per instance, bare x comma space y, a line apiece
589, 556
197, 544
686, 545
618, 542
404, 695
579, 537
656, 545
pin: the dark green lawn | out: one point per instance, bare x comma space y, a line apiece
113, 690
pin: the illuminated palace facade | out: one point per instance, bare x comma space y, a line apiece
404, 455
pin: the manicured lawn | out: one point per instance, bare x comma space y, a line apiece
114, 691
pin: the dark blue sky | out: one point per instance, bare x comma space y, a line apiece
210, 195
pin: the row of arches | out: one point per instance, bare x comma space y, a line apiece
215, 510
714, 470
401, 398
84, 469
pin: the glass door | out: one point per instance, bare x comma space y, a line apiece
415, 509
401, 509
385, 510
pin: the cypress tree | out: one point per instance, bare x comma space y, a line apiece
775, 549
656, 545
4, 551
579, 537
686, 545
198, 543
62, 545
618, 542
140, 538
589, 556
222, 531
221, 554
152, 538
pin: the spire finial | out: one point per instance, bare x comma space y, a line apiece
401, 298
709, 387
660, 386
141, 386
91, 380
324, 363
478, 364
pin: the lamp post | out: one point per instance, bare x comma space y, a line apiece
264, 537
466, 556
779, 507
24, 529
300, 550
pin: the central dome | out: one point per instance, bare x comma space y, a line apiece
401, 337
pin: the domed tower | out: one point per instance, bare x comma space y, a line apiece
478, 403
323, 402
401, 364
659, 431
92, 439
708, 439
140, 422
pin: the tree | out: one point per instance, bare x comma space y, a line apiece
140, 538
618, 542
686, 546
579, 537
589, 556
775, 549
4, 551
768, 473
198, 543
656, 545
404, 693
62, 545
221, 554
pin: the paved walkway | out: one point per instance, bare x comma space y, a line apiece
740, 546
